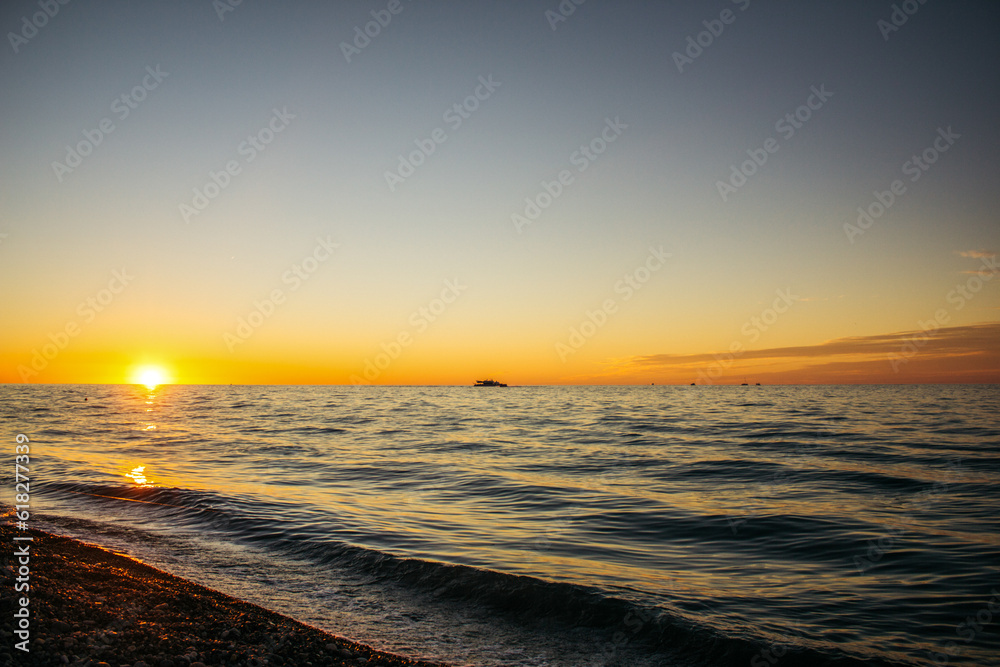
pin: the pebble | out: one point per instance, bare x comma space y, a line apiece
141, 641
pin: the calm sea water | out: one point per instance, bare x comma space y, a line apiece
552, 525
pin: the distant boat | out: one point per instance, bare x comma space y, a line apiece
488, 383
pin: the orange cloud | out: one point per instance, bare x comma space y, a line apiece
949, 354
989, 266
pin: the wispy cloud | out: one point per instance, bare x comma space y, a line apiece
952, 340
949, 354
989, 265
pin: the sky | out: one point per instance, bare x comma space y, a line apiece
418, 192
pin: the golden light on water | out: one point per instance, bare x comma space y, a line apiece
137, 474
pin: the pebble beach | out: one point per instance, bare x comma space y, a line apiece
90, 607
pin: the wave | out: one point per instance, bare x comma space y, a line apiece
614, 624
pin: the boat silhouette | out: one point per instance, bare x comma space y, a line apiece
488, 383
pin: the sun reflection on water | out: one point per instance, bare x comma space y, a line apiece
137, 474
151, 394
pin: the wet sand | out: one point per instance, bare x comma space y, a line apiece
89, 606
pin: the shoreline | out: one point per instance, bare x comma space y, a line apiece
91, 607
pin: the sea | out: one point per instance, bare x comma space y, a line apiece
560, 526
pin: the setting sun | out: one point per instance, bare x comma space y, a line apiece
151, 376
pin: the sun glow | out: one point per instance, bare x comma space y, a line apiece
151, 376
138, 476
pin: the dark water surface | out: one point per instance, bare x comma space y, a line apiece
552, 525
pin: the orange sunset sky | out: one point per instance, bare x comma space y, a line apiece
481, 192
